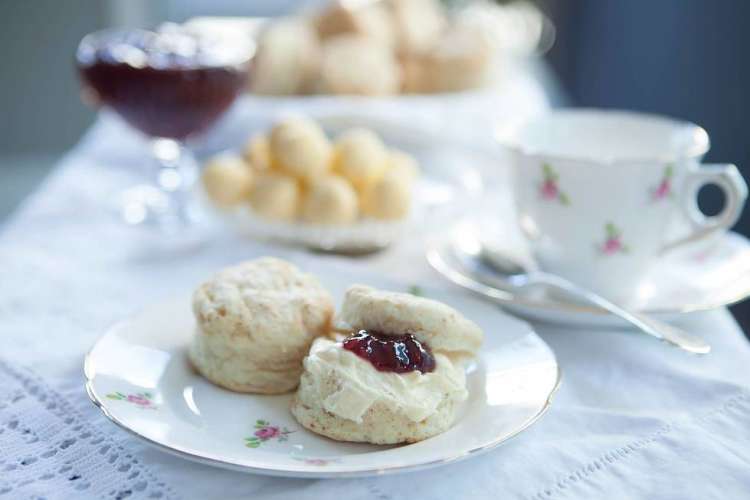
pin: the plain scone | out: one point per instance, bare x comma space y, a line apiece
255, 324
344, 397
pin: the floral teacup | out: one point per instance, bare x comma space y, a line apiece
596, 190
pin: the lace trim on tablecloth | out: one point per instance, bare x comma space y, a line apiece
48, 451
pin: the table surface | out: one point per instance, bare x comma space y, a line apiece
633, 418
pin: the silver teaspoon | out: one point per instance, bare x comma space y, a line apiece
506, 274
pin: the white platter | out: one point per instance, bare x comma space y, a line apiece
138, 375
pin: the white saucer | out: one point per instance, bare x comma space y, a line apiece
138, 375
694, 279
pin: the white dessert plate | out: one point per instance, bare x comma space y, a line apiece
695, 279
449, 175
139, 377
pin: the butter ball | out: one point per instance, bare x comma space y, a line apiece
300, 148
227, 180
275, 196
405, 164
389, 198
361, 157
330, 200
258, 153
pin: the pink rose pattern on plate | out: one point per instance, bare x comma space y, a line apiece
664, 189
266, 432
549, 188
613, 243
141, 399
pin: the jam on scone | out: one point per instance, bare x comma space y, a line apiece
391, 353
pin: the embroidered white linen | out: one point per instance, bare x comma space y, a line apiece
632, 419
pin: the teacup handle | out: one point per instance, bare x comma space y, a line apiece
729, 179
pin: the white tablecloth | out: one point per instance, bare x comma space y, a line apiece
633, 418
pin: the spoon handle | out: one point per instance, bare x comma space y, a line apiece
502, 293
647, 324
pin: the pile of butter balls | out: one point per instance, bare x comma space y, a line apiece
295, 173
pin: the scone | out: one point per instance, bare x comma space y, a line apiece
419, 24
459, 61
358, 65
371, 19
440, 326
255, 324
397, 378
287, 59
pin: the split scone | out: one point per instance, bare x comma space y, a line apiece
255, 324
397, 378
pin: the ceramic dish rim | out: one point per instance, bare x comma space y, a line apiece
196, 456
435, 258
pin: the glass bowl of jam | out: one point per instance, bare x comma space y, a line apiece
171, 84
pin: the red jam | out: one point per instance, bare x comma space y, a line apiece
391, 353
165, 84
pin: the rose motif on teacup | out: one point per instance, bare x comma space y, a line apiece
141, 399
549, 188
664, 189
266, 432
613, 243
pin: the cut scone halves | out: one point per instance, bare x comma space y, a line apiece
397, 378
255, 324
